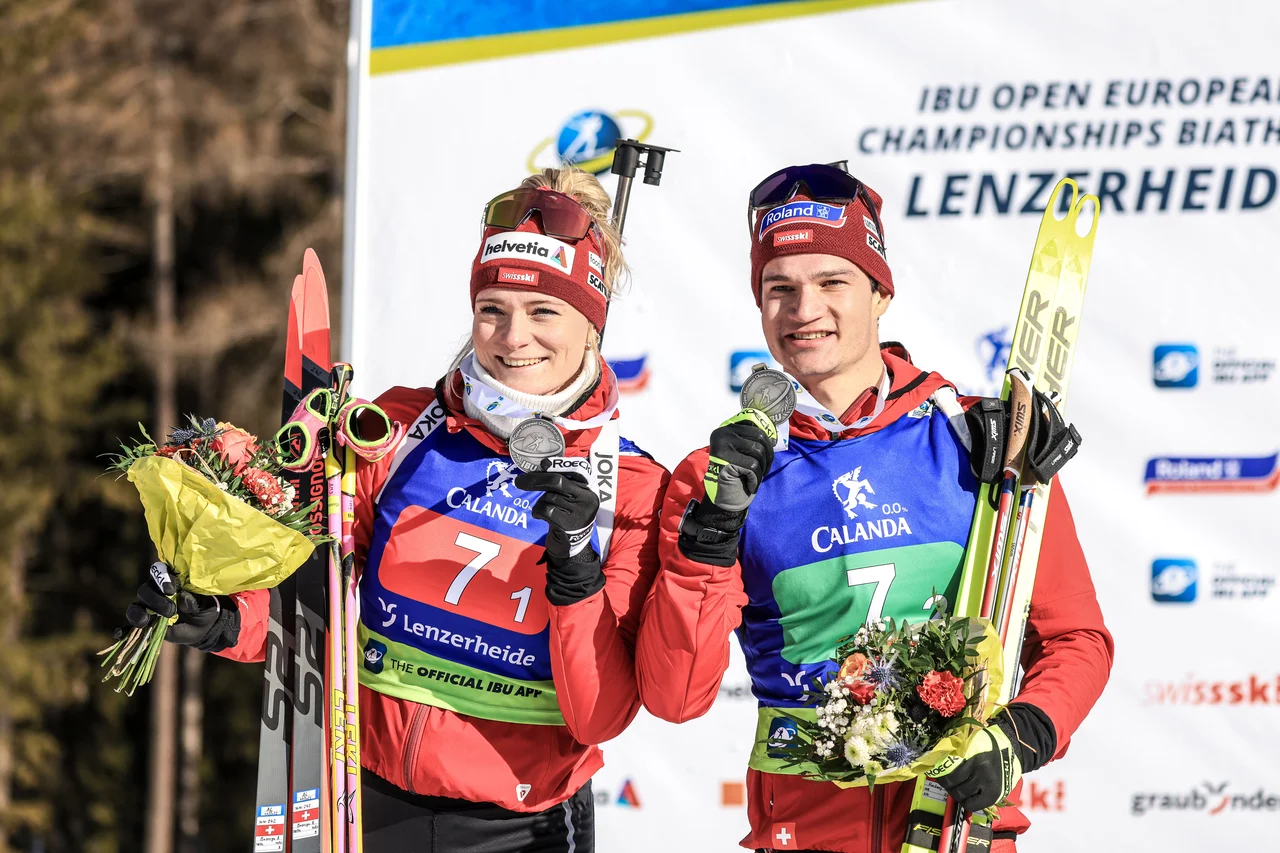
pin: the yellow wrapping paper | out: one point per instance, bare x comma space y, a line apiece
990, 658
216, 543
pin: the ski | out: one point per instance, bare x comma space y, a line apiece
270, 832
1043, 349
291, 737
308, 784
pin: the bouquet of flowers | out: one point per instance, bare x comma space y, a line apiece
904, 698
220, 516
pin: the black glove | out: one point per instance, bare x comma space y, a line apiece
569, 507
741, 454
205, 622
1018, 740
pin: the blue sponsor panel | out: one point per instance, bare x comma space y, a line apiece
1174, 581
1175, 366
1221, 474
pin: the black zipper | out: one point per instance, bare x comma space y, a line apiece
416, 725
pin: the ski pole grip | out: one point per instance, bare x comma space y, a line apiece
340, 376
1019, 419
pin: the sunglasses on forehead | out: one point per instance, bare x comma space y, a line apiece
559, 214
826, 183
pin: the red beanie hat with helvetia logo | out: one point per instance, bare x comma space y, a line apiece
803, 226
527, 259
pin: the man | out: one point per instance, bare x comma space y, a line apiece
866, 445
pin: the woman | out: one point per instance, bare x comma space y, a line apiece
498, 640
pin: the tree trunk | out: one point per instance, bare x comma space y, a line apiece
164, 686
192, 749
10, 635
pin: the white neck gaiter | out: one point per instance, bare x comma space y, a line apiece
551, 404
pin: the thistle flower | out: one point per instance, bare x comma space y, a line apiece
883, 675
901, 753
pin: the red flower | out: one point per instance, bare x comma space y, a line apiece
236, 446
267, 490
861, 692
943, 692
167, 451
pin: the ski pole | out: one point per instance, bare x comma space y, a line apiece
1020, 384
355, 834
340, 378
956, 824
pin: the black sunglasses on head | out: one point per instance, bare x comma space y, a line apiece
827, 183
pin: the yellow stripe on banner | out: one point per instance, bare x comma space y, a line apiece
389, 60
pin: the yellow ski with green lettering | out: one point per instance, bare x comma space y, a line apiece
1043, 345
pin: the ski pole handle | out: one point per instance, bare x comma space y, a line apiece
1020, 414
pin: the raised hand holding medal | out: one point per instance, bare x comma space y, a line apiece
568, 505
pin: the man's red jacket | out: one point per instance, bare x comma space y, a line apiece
436, 752
683, 649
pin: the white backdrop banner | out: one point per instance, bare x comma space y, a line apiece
963, 114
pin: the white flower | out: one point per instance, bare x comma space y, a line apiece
857, 751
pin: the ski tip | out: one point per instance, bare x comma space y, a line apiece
1078, 213
1057, 204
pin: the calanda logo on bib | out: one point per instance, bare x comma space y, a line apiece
865, 521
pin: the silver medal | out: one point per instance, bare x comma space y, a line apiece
532, 441
769, 391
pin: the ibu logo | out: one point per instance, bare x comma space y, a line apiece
374, 653
1175, 366
782, 735
1173, 581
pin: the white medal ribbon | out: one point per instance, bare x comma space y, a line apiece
486, 399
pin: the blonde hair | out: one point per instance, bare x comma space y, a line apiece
583, 188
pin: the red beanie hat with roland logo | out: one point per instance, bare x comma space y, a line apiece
528, 259
803, 226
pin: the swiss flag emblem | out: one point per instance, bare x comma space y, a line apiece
784, 836
267, 830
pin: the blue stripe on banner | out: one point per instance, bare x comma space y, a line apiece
404, 22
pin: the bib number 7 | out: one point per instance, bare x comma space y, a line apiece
882, 576
485, 552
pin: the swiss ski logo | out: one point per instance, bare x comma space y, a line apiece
851, 490
507, 275
782, 238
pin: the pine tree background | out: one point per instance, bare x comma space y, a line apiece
162, 167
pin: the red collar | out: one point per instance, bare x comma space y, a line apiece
908, 388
